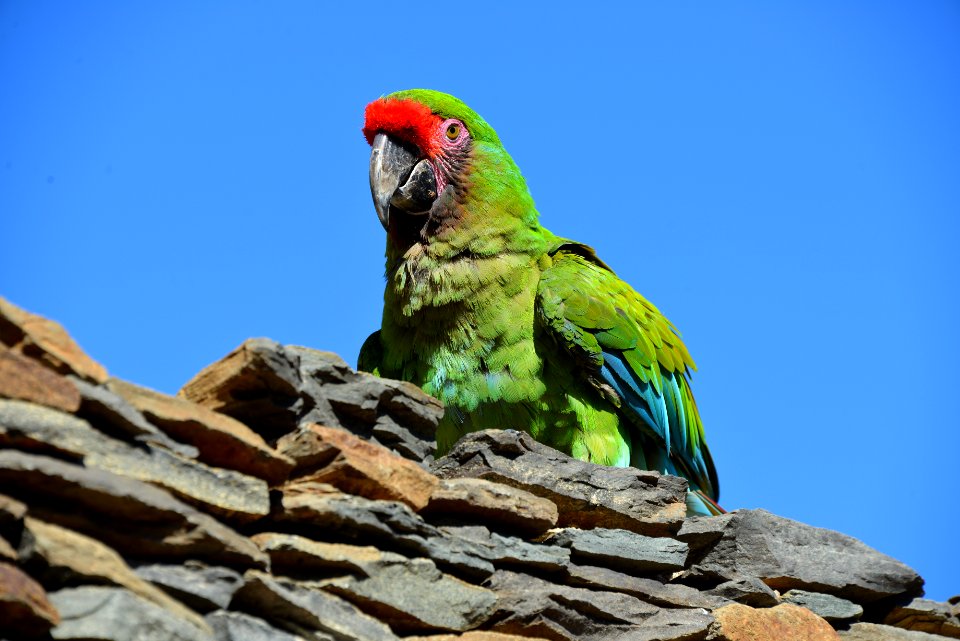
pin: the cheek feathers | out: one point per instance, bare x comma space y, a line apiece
407, 120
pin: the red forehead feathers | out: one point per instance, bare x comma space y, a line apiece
408, 120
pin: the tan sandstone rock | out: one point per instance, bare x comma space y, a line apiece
46, 341
335, 456
736, 622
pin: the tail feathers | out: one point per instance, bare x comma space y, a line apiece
699, 504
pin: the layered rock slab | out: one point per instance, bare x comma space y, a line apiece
669, 595
201, 587
879, 632
786, 555
46, 430
304, 609
62, 557
495, 504
530, 606
412, 595
623, 549
47, 342
24, 379
586, 495
924, 615
115, 614
335, 456
221, 441
322, 511
128, 515
237, 626
831, 608
24, 607
279, 387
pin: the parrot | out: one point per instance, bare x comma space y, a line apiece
508, 325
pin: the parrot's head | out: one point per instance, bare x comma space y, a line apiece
425, 150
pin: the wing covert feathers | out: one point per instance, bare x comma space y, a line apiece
627, 350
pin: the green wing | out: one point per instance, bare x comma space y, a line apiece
633, 356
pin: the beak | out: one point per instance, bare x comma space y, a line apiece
398, 180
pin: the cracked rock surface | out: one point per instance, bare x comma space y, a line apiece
283, 496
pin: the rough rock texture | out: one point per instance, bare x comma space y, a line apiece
924, 615
878, 632
530, 606
831, 608
25, 379
331, 455
49, 431
275, 388
46, 342
24, 607
412, 595
307, 609
92, 612
237, 626
221, 440
785, 554
130, 516
737, 622
587, 495
201, 587
62, 557
282, 496
747, 590
623, 550
494, 504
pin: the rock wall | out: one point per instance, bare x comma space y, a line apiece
281, 495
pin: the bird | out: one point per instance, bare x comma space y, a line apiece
510, 326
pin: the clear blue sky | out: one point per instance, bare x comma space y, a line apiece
781, 179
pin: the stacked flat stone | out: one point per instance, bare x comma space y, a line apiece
282, 495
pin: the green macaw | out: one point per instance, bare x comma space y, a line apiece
507, 324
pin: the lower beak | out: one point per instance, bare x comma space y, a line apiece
398, 180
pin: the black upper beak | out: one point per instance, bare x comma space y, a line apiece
399, 180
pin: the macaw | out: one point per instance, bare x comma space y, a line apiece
507, 324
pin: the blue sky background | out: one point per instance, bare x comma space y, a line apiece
781, 179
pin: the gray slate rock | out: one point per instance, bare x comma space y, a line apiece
237, 626
115, 614
509, 551
623, 550
321, 511
304, 609
667, 595
276, 388
42, 429
528, 606
132, 517
877, 632
786, 554
748, 591
587, 495
831, 608
412, 595
458, 556
702, 531
925, 615
111, 413
203, 588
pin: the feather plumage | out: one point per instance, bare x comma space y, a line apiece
513, 327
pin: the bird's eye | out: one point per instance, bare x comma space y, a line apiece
453, 131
